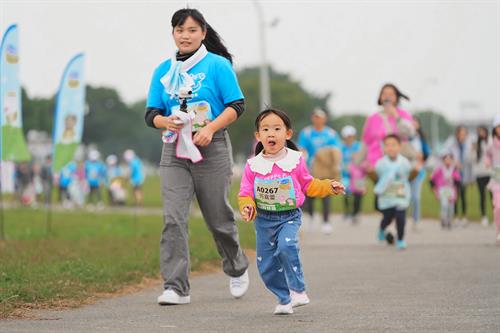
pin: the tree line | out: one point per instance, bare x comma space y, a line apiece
113, 126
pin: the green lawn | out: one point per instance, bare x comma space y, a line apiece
85, 254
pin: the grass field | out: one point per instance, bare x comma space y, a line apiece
88, 253
85, 254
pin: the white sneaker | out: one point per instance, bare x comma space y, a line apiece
238, 286
170, 297
484, 221
283, 309
326, 228
299, 299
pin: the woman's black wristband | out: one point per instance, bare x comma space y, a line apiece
150, 115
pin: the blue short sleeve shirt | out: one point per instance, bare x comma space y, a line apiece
215, 84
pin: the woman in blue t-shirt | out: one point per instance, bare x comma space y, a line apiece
194, 96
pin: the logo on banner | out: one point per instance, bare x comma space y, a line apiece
73, 79
11, 54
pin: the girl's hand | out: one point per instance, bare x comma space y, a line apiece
338, 188
247, 213
172, 123
203, 137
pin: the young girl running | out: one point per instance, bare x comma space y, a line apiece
273, 187
444, 181
493, 160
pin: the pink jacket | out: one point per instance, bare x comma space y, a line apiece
358, 179
375, 131
493, 158
299, 175
440, 179
493, 152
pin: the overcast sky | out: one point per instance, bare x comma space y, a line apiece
443, 54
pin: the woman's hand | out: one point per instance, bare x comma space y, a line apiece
203, 137
338, 188
390, 110
171, 123
247, 213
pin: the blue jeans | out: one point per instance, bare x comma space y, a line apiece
416, 191
278, 257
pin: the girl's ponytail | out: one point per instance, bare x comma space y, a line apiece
290, 144
258, 148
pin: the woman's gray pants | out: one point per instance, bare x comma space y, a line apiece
209, 180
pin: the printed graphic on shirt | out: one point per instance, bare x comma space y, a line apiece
397, 187
198, 79
275, 194
446, 192
201, 113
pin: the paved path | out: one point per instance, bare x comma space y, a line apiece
444, 281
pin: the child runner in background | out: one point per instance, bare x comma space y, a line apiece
317, 141
393, 188
444, 180
273, 187
114, 181
136, 174
357, 182
493, 160
350, 145
95, 174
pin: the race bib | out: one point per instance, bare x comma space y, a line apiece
93, 174
359, 184
275, 195
201, 114
446, 192
396, 189
496, 173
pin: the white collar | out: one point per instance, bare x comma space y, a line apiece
192, 60
177, 76
288, 163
